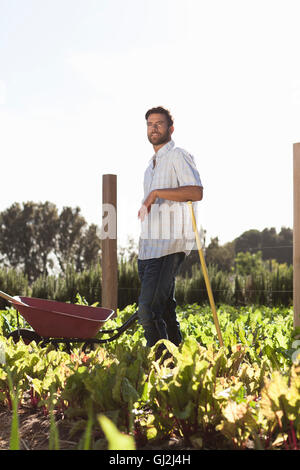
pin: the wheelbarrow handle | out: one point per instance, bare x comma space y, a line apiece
14, 300
123, 327
87, 341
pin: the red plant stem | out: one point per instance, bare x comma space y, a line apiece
267, 443
293, 435
286, 445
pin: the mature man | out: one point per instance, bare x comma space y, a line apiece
170, 180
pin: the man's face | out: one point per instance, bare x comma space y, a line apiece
158, 131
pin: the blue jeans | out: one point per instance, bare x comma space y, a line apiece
157, 304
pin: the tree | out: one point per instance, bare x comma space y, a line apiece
27, 236
248, 241
272, 245
221, 256
285, 246
269, 243
89, 248
247, 263
45, 222
33, 235
68, 238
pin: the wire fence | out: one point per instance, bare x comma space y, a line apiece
270, 286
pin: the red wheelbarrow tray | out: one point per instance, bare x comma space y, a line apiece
53, 319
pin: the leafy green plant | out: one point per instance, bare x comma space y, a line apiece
116, 440
14, 443
243, 395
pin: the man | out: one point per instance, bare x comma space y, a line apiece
170, 180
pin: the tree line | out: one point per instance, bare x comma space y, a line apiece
35, 238
251, 248
256, 267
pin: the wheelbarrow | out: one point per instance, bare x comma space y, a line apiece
59, 322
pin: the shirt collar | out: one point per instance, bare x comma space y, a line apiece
166, 148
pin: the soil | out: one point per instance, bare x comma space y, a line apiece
34, 433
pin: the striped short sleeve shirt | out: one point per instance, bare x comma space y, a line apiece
167, 228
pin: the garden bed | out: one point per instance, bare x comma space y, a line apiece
243, 396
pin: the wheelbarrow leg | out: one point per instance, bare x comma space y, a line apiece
26, 335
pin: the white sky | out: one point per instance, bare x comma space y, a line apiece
77, 76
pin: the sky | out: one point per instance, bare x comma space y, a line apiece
77, 77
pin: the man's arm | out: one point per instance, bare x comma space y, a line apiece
181, 194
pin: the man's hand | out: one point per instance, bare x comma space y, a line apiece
146, 207
142, 212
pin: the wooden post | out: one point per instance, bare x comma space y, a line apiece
109, 243
296, 236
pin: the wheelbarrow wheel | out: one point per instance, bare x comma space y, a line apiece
26, 335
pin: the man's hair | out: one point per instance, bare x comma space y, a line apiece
161, 110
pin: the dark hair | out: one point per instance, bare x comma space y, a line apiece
161, 110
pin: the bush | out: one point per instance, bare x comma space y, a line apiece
244, 395
272, 285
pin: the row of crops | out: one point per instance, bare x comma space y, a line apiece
245, 395
272, 287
